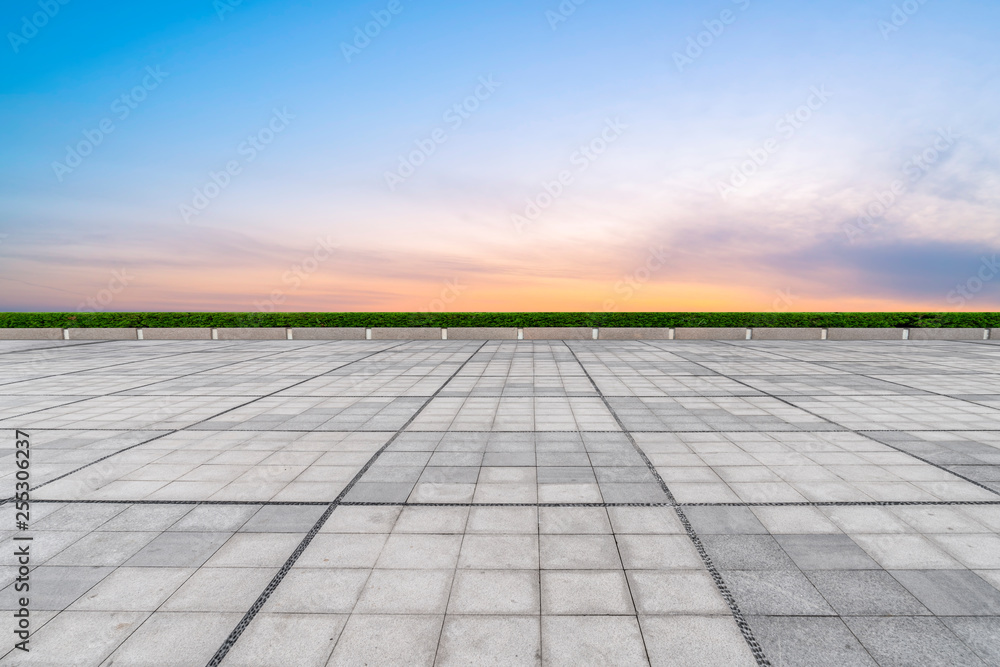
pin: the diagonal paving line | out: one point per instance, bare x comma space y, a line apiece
845, 429
87, 398
88, 370
78, 343
720, 584
862, 432
286, 568
171, 432
296, 384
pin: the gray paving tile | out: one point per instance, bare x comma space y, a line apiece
219, 589
403, 551
951, 592
56, 587
100, 548
865, 593
178, 549
499, 552
147, 518
690, 592
502, 592
253, 550
386, 639
775, 593
585, 592
406, 592
318, 591
293, 639
133, 589
503, 520
746, 552
658, 552
573, 520
826, 552
175, 639
682, 640
78, 637
489, 640
911, 640
982, 635
578, 640
379, 492
724, 521
803, 641
583, 552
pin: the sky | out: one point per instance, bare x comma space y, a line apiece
422, 155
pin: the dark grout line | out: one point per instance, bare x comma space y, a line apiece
173, 431
77, 343
309, 379
720, 584
123, 363
104, 458
862, 432
261, 600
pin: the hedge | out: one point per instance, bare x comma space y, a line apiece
255, 319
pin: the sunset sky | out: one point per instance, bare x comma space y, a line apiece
476, 156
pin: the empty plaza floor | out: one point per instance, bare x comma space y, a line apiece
503, 502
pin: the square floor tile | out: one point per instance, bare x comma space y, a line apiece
580, 640
489, 640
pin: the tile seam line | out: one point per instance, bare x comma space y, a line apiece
123, 363
926, 391
262, 599
57, 347
89, 397
886, 343
859, 432
933, 393
278, 391
171, 432
748, 635
206, 370
768, 394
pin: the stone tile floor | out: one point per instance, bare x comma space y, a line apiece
461, 502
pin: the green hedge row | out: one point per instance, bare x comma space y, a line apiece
152, 320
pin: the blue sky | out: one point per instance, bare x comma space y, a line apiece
656, 215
